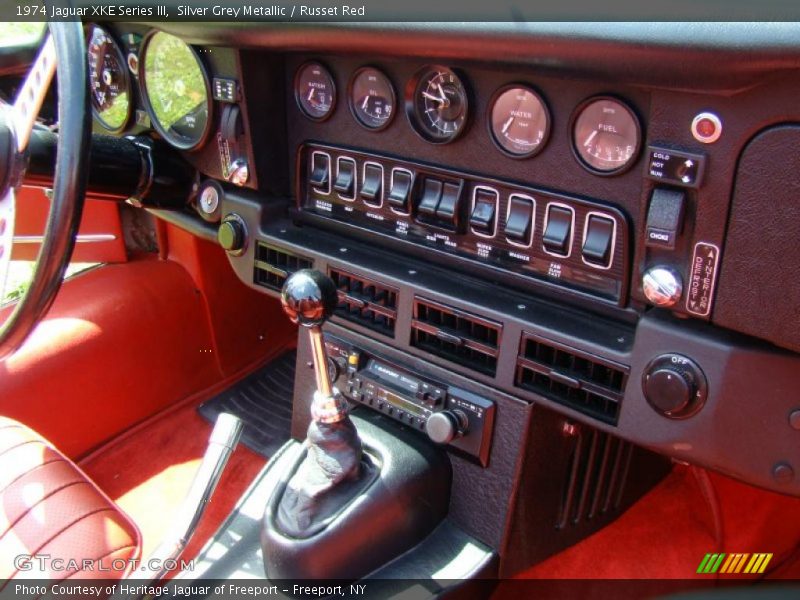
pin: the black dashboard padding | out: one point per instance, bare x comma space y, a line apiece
758, 290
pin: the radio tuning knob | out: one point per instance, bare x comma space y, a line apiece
662, 286
445, 426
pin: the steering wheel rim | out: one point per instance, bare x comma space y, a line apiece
69, 187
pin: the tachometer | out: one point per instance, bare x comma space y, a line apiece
109, 85
372, 98
176, 90
437, 104
606, 135
519, 121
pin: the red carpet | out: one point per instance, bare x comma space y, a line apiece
668, 532
149, 470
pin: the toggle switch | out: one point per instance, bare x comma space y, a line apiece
431, 194
345, 178
558, 230
448, 205
519, 221
598, 240
372, 185
400, 189
664, 218
484, 211
320, 177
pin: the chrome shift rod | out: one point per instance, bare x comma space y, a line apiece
309, 299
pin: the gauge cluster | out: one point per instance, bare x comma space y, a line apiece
605, 133
166, 76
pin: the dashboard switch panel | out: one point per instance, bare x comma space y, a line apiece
665, 218
536, 237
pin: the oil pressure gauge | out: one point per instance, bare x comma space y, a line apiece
372, 98
315, 91
606, 135
437, 104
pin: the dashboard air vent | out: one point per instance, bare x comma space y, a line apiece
365, 302
274, 265
596, 477
455, 335
584, 382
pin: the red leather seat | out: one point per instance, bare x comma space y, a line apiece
50, 508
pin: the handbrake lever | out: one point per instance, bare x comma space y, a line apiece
221, 445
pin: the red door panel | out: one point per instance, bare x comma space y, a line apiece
99, 238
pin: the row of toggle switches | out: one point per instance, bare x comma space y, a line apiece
439, 201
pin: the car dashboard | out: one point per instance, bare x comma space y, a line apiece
599, 221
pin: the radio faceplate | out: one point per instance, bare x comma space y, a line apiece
540, 235
396, 392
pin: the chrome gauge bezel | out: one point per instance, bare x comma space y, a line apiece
638, 132
490, 124
353, 101
124, 73
412, 92
173, 140
297, 93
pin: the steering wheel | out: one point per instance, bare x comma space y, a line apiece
63, 47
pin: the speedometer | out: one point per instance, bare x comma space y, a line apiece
109, 85
176, 90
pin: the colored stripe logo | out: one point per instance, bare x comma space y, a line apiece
734, 563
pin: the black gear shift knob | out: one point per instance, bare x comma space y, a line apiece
309, 297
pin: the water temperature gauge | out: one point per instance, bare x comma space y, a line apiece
606, 135
372, 98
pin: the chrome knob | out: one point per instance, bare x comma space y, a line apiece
662, 286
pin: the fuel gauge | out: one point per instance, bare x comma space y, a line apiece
315, 91
372, 98
606, 135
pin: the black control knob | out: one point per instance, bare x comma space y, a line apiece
675, 386
309, 297
232, 234
445, 426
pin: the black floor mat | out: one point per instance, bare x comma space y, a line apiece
263, 401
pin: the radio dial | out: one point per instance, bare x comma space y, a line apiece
445, 426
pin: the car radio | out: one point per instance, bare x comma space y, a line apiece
448, 415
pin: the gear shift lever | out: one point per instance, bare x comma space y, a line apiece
334, 448
309, 299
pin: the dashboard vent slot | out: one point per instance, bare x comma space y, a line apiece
365, 302
576, 379
455, 335
596, 476
274, 265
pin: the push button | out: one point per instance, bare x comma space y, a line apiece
320, 172
664, 218
482, 219
519, 221
558, 230
431, 194
400, 191
371, 187
597, 242
448, 205
345, 177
